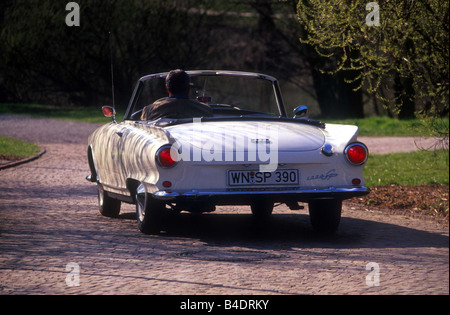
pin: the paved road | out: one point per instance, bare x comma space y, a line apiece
54, 241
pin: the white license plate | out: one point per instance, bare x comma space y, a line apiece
253, 177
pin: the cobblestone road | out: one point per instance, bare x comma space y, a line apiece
50, 229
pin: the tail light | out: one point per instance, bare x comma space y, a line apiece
204, 99
356, 153
167, 156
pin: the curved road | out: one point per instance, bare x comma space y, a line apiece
54, 241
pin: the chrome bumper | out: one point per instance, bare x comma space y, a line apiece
301, 195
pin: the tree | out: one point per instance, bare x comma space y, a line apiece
44, 60
273, 47
404, 60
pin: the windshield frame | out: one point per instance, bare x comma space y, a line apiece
274, 82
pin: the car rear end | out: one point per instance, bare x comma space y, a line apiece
261, 166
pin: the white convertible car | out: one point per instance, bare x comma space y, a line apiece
248, 153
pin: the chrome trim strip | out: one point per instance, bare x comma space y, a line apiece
214, 73
164, 195
332, 191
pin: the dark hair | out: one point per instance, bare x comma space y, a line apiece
177, 81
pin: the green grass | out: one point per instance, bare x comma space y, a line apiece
85, 114
414, 168
390, 127
15, 149
372, 126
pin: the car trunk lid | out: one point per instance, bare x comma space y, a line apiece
244, 136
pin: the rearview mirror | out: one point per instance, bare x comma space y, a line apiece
300, 111
109, 111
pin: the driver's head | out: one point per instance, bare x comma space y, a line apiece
177, 82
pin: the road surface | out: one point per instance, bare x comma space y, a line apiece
53, 240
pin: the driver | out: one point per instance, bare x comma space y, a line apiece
178, 104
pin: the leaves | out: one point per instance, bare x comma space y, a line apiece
41, 55
411, 42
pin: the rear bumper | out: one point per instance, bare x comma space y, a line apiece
237, 196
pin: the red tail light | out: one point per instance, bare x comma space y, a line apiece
204, 99
357, 153
166, 156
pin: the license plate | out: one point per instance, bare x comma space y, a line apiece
252, 177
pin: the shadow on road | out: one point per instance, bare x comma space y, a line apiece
292, 230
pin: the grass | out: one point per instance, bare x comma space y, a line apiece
85, 114
414, 168
390, 127
372, 126
14, 149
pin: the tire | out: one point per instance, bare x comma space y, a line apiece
325, 215
261, 209
149, 212
108, 207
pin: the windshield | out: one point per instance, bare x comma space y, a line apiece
228, 94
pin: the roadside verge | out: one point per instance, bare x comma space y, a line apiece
22, 161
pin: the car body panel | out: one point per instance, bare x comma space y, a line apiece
233, 136
130, 155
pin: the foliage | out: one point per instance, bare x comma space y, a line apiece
43, 60
403, 60
41, 55
430, 200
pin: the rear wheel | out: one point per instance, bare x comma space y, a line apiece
325, 215
108, 207
149, 212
